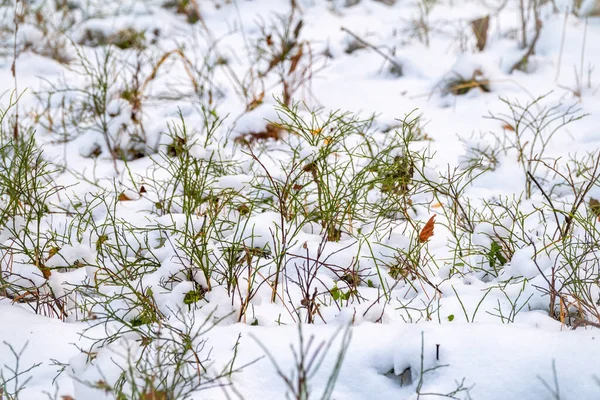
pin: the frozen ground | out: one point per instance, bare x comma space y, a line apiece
215, 172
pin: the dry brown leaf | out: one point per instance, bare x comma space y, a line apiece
480, 29
296, 59
594, 207
142, 189
52, 252
256, 101
272, 131
45, 271
20, 297
124, 197
298, 28
508, 127
67, 397
154, 394
427, 230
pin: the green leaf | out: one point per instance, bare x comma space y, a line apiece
335, 293
100, 242
451, 317
193, 296
495, 256
143, 319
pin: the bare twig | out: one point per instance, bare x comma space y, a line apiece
531, 49
530, 175
374, 48
583, 322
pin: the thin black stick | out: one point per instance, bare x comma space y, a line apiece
558, 228
372, 47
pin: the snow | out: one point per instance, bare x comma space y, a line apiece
206, 245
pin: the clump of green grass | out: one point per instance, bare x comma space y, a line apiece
189, 8
124, 39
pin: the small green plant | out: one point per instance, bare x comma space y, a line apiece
168, 361
124, 39
422, 24
308, 360
529, 128
423, 370
13, 384
27, 191
189, 8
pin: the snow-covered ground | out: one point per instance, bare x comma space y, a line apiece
235, 199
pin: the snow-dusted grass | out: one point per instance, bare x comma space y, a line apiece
299, 199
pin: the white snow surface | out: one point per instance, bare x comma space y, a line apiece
465, 327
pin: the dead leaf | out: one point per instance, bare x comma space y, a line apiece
142, 189
67, 397
255, 102
296, 59
154, 394
594, 206
480, 29
45, 271
20, 297
508, 127
563, 311
124, 197
52, 252
298, 28
427, 230
272, 131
